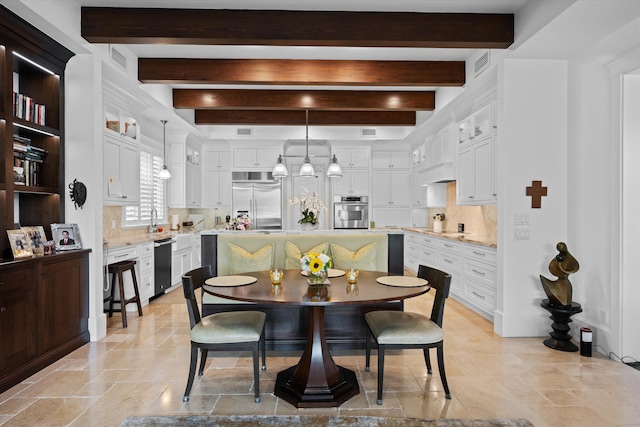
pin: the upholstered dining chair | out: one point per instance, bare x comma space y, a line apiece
406, 330
221, 331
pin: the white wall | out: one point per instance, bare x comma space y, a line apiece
83, 161
531, 145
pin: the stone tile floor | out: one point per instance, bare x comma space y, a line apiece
142, 370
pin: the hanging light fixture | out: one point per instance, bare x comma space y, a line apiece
306, 170
164, 173
280, 170
334, 171
307, 167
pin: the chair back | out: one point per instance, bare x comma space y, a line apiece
441, 282
191, 281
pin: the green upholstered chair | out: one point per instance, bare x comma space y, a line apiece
405, 330
221, 331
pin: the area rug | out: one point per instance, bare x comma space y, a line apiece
313, 420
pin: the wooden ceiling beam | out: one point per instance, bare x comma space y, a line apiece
301, 72
224, 99
119, 25
297, 118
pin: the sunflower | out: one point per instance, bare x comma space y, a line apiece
315, 264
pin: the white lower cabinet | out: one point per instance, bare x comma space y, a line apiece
472, 267
145, 281
181, 257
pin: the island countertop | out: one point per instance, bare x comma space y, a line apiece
318, 231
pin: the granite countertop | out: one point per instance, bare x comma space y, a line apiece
477, 239
140, 239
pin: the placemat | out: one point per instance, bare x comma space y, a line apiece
401, 281
331, 273
230, 280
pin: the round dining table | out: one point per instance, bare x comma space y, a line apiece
316, 381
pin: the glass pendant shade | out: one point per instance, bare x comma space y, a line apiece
164, 173
334, 171
280, 170
307, 168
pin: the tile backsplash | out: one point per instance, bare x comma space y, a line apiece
480, 220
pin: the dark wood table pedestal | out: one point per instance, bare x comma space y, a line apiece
561, 316
316, 381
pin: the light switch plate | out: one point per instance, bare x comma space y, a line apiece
521, 233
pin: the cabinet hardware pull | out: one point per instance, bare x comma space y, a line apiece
447, 245
478, 295
447, 260
478, 272
479, 253
120, 256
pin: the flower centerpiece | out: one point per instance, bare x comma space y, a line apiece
310, 207
317, 265
243, 222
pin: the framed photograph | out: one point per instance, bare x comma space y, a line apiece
37, 238
66, 236
19, 244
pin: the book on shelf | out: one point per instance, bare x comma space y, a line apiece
24, 107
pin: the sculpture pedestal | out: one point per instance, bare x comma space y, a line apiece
561, 316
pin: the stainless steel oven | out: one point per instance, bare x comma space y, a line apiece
351, 212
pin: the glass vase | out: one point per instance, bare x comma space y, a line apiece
318, 278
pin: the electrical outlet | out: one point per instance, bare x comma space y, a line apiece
113, 224
521, 219
521, 233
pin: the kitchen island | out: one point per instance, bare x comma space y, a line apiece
286, 327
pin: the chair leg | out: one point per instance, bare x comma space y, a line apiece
367, 343
192, 372
443, 376
380, 371
263, 348
123, 302
113, 291
427, 360
256, 371
203, 360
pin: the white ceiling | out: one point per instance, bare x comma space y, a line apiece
312, 52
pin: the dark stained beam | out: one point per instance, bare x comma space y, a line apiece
296, 28
221, 99
297, 118
301, 72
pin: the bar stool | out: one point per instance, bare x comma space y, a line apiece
116, 270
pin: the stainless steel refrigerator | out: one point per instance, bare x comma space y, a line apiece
259, 196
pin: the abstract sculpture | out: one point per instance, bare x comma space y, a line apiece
562, 265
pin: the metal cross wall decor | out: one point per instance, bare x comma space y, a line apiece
536, 191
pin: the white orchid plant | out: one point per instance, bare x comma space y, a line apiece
310, 206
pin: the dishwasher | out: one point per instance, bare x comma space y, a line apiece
162, 265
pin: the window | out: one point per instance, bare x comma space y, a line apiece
151, 192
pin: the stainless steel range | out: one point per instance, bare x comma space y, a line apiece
351, 212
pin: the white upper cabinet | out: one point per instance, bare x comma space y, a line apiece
185, 183
217, 160
356, 158
476, 159
391, 188
354, 182
255, 158
390, 159
121, 172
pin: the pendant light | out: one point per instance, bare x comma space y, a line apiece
334, 170
280, 170
307, 167
164, 173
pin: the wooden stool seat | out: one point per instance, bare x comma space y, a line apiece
117, 270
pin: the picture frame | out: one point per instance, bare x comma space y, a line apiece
19, 244
36, 237
66, 232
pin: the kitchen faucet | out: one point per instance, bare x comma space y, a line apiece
153, 225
